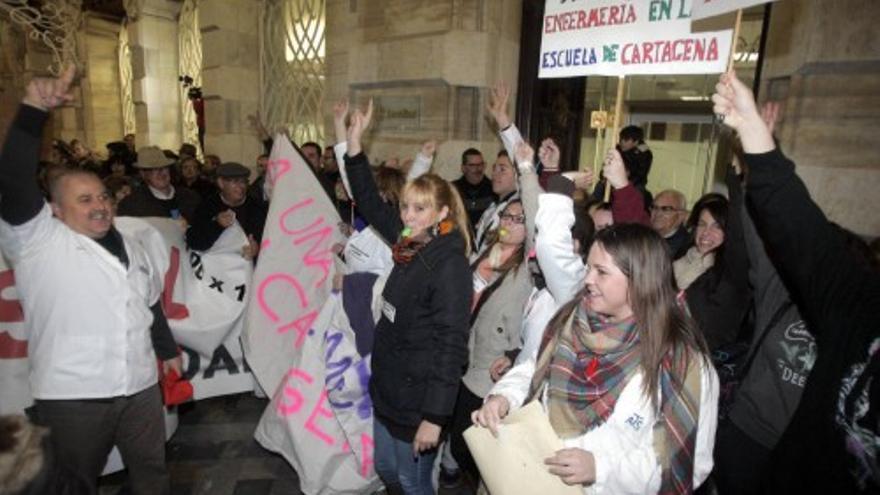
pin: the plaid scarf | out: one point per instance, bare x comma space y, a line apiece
586, 362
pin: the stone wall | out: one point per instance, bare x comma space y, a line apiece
822, 61
155, 88
101, 100
230, 77
427, 64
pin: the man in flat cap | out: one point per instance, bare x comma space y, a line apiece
229, 205
157, 197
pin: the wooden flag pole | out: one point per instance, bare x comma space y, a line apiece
618, 110
707, 175
736, 27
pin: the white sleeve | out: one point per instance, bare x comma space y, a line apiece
514, 385
708, 422
510, 137
564, 270
19, 241
420, 166
541, 308
339, 149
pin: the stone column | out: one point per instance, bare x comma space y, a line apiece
155, 88
101, 105
230, 77
823, 62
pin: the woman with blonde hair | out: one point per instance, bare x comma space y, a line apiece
420, 348
623, 375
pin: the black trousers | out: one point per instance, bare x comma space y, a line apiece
466, 403
83, 432
740, 462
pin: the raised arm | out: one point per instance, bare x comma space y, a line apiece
20, 196
736, 258
422, 163
340, 111
497, 108
381, 216
811, 253
529, 190
627, 202
564, 270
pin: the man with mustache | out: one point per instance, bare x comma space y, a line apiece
95, 324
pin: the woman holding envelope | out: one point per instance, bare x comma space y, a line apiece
623, 374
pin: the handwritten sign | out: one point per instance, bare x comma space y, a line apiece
710, 8
14, 387
320, 418
204, 296
294, 272
617, 38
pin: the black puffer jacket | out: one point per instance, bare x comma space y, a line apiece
420, 350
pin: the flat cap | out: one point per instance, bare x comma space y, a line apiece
230, 170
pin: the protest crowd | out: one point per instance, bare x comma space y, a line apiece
648, 335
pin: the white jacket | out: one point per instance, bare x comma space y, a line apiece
623, 446
564, 270
88, 317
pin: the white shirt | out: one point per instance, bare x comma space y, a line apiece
623, 446
88, 318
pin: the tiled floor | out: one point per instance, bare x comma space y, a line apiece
214, 452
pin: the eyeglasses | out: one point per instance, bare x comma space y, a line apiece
664, 209
518, 219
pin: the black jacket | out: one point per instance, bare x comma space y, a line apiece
830, 445
420, 350
476, 198
205, 230
142, 203
719, 298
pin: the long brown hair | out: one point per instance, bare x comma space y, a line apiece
434, 192
642, 256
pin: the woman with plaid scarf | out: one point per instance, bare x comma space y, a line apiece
623, 375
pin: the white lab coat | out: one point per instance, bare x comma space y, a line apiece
88, 317
623, 446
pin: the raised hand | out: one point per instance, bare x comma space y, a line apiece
358, 123
524, 155
429, 148
47, 93
549, 153
734, 102
614, 169
340, 111
582, 179
497, 106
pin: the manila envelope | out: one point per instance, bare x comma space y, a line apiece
513, 463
